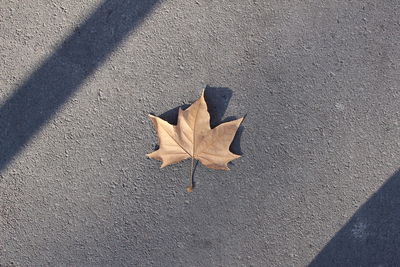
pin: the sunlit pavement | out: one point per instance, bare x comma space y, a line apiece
317, 183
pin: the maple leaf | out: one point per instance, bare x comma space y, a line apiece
193, 137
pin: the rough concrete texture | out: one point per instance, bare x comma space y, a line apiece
318, 80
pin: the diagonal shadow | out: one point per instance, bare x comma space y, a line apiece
61, 74
372, 236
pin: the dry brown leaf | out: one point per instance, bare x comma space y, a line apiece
193, 137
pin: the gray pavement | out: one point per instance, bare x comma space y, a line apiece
317, 184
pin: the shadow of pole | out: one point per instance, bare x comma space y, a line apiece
372, 236
50, 86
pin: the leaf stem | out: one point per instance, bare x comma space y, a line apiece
190, 187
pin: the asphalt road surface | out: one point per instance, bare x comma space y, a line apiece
318, 182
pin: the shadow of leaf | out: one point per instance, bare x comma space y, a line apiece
217, 99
